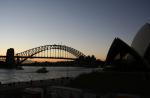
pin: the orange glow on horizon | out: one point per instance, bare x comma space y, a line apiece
98, 55
47, 60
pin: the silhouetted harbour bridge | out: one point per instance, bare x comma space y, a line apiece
46, 51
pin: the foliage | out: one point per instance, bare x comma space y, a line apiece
89, 61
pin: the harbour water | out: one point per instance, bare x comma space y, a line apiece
29, 73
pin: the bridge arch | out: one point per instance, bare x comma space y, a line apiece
31, 52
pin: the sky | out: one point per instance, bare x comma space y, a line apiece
89, 26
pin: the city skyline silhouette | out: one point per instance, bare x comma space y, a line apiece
89, 26
74, 48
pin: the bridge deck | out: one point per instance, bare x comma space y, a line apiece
40, 57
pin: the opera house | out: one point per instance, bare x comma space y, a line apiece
122, 57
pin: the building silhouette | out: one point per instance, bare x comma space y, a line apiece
136, 57
141, 43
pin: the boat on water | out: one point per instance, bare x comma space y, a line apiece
42, 70
19, 68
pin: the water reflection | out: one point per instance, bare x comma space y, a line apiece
29, 73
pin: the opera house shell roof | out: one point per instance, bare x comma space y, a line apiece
136, 56
141, 42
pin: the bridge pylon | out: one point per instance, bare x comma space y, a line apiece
10, 59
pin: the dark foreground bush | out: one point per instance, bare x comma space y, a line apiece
104, 82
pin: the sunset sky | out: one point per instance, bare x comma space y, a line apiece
86, 25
